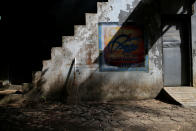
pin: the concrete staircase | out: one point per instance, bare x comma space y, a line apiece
83, 46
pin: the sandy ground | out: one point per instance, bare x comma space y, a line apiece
145, 115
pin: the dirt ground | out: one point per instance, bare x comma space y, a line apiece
150, 115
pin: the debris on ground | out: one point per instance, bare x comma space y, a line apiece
90, 116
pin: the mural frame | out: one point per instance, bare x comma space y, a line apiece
101, 54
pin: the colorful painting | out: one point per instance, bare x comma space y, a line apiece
122, 48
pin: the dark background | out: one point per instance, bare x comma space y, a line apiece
30, 28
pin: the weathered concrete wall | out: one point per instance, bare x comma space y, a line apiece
193, 20
92, 84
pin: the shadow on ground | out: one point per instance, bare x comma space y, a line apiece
122, 115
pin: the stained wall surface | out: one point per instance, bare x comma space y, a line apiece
88, 82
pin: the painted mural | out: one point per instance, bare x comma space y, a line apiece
122, 48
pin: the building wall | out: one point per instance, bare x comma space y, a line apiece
91, 84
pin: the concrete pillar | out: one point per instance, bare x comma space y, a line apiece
193, 24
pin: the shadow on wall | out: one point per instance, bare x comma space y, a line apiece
131, 54
122, 47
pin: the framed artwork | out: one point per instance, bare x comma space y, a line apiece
122, 47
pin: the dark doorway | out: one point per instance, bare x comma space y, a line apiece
177, 50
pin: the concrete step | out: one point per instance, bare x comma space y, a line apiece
186, 96
56, 51
101, 5
90, 17
45, 64
78, 29
66, 39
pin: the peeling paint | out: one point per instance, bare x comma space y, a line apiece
89, 54
157, 51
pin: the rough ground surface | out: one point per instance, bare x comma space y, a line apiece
110, 116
